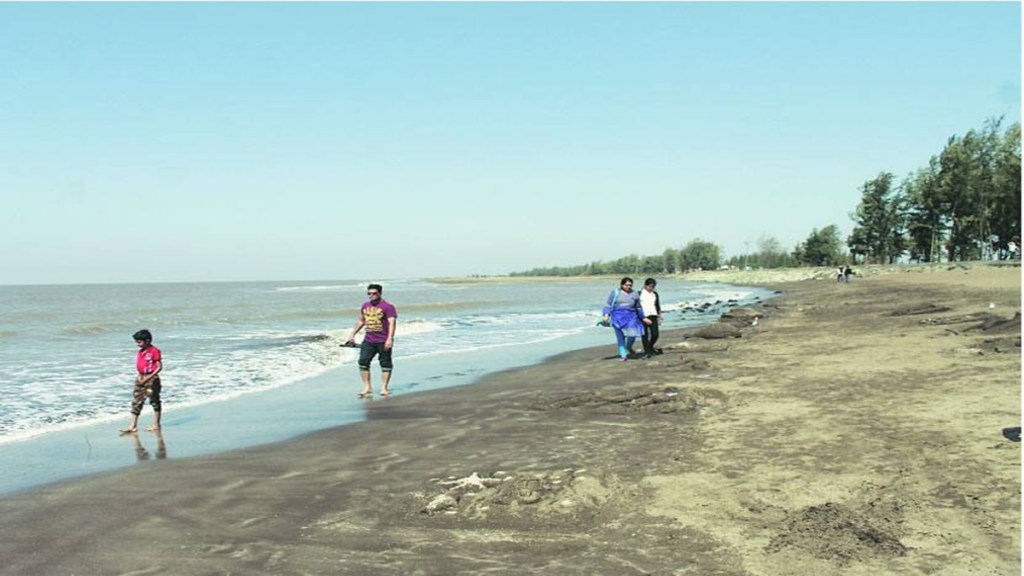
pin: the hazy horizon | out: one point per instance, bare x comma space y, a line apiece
183, 142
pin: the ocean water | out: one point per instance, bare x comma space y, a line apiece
269, 354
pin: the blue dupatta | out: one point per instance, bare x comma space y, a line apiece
625, 316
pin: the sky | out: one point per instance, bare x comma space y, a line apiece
178, 142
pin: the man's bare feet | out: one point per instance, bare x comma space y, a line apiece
153, 429
368, 393
384, 393
128, 431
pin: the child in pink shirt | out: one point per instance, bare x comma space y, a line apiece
148, 363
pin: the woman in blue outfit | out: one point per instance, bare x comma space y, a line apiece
622, 311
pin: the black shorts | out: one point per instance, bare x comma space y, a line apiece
370, 349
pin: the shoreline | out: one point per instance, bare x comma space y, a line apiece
765, 277
848, 409
267, 416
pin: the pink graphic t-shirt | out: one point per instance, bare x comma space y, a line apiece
145, 361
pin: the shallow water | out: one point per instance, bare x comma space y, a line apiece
251, 363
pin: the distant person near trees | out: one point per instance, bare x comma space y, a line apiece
650, 306
623, 313
379, 318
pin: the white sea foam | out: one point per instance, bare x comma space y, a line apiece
713, 295
418, 326
202, 378
527, 319
321, 288
224, 341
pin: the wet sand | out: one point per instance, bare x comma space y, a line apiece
853, 429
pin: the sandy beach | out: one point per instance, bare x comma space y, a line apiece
847, 429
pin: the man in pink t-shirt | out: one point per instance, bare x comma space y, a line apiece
379, 318
148, 363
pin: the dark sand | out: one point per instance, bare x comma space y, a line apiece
855, 429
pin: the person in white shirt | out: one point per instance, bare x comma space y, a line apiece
650, 304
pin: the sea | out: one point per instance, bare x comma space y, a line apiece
250, 363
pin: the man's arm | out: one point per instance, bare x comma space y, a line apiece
355, 329
390, 342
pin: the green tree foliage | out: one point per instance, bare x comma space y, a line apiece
960, 184
652, 265
671, 259
881, 217
978, 185
1006, 176
822, 248
927, 219
696, 254
627, 265
964, 205
770, 254
699, 255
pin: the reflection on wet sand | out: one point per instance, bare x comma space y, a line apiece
142, 454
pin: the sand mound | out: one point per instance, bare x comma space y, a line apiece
502, 493
837, 533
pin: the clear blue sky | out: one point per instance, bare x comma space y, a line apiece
267, 141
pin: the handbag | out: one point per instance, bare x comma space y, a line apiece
608, 323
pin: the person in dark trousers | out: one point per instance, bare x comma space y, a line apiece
148, 364
650, 304
379, 317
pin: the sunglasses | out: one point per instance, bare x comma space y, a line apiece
373, 293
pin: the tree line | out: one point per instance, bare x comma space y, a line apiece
964, 205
